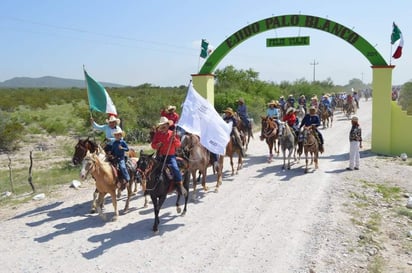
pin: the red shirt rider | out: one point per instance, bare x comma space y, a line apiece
290, 117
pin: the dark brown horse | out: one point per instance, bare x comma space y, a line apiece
310, 146
159, 183
246, 132
269, 133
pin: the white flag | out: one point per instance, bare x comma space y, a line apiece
199, 117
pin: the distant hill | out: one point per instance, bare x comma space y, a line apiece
48, 82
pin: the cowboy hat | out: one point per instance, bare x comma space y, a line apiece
171, 107
355, 118
241, 100
113, 119
290, 109
164, 120
229, 110
312, 108
273, 102
117, 131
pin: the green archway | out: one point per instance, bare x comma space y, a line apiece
293, 20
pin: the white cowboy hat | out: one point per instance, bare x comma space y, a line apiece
290, 109
241, 100
164, 120
171, 107
113, 119
355, 118
229, 110
117, 131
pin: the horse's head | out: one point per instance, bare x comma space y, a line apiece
81, 149
88, 164
143, 162
269, 127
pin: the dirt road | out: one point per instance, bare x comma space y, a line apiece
264, 219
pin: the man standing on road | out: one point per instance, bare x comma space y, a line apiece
355, 139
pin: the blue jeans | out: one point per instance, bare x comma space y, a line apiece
123, 169
171, 160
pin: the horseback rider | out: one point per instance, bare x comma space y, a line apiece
166, 141
273, 111
119, 147
230, 118
302, 101
326, 102
108, 129
312, 120
242, 112
292, 121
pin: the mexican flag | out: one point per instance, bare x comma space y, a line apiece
99, 99
397, 35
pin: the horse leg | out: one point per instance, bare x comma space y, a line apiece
316, 160
129, 194
306, 160
239, 164
290, 154
94, 201
219, 173
204, 172
231, 164
114, 202
270, 143
159, 202
100, 200
186, 182
194, 194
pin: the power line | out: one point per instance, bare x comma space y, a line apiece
315, 63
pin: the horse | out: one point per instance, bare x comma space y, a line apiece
80, 151
269, 132
300, 112
246, 132
231, 149
326, 116
104, 175
287, 141
198, 158
310, 146
159, 182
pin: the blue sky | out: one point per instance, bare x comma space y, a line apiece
158, 42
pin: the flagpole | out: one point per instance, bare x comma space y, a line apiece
85, 84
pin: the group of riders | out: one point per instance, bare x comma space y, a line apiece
166, 139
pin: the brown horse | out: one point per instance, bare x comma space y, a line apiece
80, 151
198, 158
231, 149
310, 146
246, 132
104, 175
269, 132
326, 116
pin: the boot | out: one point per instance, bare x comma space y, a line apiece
180, 189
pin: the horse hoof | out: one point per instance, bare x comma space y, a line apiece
216, 190
178, 210
114, 219
92, 211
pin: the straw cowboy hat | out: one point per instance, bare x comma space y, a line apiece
241, 100
290, 109
355, 118
171, 107
164, 120
312, 108
229, 110
117, 131
273, 102
113, 119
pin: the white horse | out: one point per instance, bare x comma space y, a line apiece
300, 112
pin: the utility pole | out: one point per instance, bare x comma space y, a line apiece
314, 70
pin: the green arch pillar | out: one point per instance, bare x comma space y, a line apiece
381, 109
